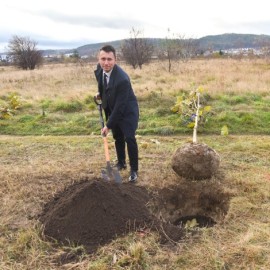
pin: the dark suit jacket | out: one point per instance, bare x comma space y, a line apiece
122, 108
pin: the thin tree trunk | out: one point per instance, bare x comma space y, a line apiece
196, 119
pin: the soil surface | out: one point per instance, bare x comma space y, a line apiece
92, 213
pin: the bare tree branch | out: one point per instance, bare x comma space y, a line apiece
24, 53
137, 50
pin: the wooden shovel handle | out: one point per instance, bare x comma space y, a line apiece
106, 148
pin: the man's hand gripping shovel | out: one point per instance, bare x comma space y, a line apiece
110, 173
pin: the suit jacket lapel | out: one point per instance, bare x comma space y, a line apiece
112, 77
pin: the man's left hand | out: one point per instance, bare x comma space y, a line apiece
105, 131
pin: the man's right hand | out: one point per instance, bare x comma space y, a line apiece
97, 96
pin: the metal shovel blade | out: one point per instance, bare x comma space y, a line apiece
105, 175
111, 174
116, 176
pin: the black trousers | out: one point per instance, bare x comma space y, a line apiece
124, 136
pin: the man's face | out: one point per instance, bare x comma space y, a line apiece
106, 60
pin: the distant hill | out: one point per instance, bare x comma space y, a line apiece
215, 42
88, 49
211, 42
233, 41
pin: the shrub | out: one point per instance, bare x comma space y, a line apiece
8, 107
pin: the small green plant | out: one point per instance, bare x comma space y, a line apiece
45, 104
14, 101
192, 110
8, 108
5, 112
224, 131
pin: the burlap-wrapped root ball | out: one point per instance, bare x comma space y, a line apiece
195, 161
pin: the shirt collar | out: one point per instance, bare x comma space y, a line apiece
107, 73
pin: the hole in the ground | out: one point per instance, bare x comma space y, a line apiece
191, 204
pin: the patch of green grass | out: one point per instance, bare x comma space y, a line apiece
233, 99
243, 114
68, 107
156, 99
89, 99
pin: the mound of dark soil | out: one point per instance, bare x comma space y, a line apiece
92, 213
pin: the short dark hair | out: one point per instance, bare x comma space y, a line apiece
108, 48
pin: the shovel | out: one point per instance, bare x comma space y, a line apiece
110, 173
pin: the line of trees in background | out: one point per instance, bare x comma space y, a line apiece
135, 51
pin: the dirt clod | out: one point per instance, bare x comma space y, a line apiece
195, 161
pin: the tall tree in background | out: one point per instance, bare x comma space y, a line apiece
168, 50
24, 53
176, 47
137, 50
187, 48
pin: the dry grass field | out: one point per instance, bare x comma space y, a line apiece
69, 81
33, 169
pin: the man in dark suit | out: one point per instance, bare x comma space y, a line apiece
121, 108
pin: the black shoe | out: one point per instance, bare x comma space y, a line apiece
133, 176
120, 166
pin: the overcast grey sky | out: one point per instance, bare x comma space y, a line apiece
60, 24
